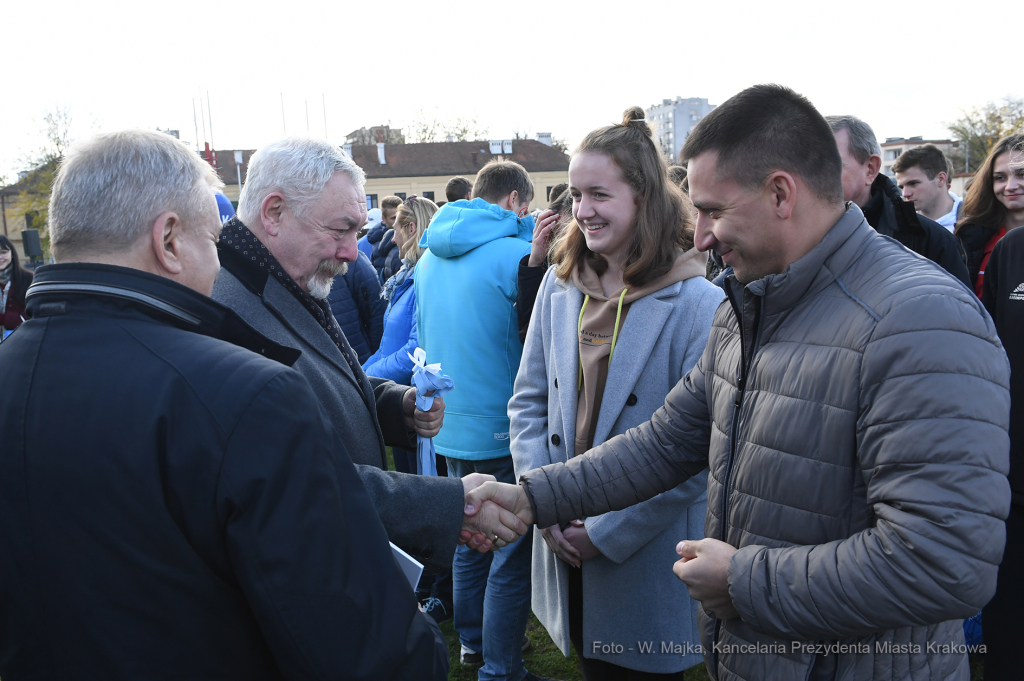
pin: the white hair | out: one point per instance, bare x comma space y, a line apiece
110, 188
299, 168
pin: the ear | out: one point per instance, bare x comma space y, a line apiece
166, 241
943, 179
874, 164
271, 211
782, 189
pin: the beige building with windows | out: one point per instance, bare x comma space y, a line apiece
892, 147
424, 169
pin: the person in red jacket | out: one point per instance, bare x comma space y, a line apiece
14, 281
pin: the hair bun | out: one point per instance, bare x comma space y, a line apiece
635, 117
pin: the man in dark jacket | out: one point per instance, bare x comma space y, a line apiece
385, 258
356, 303
1003, 297
173, 503
883, 205
298, 215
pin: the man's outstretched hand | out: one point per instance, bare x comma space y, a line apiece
495, 499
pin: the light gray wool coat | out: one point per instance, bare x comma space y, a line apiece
859, 467
630, 595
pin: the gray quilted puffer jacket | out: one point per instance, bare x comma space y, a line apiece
855, 424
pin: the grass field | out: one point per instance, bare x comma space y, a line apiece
543, 658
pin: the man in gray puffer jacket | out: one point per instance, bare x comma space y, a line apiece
852, 404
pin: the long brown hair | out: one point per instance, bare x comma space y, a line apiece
981, 207
664, 216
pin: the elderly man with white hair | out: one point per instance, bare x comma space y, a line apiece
173, 501
298, 216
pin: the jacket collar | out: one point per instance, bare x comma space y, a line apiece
154, 296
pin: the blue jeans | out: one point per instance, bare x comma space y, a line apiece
492, 590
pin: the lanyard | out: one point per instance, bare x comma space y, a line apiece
615, 334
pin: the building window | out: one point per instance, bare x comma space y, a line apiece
891, 154
400, 195
549, 193
371, 201
428, 195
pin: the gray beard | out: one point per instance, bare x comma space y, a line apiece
319, 284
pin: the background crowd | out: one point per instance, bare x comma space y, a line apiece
796, 396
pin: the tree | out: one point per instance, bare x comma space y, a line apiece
431, 127
979, 129
33, 201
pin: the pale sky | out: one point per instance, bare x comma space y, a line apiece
907, 68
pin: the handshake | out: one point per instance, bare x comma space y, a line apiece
495, 514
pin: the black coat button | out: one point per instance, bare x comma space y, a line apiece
631, 400
555, 440
556, 384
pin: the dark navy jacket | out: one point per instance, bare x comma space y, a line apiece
356, 303
174, 505
386, 260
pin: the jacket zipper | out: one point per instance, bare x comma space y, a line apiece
741, 385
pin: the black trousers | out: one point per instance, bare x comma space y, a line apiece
599, 670
1002, 620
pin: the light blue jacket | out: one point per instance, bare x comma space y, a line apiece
391, 361
466, 286
630, 594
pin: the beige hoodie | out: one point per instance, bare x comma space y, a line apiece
598, 328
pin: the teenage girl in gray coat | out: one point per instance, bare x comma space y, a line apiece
622, 316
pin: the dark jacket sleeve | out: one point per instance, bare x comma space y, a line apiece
421, 514
529, 284
946, 250
629, 468
309, 552
389, 397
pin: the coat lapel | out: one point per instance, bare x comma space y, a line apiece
639, 334
302, 324
565, 313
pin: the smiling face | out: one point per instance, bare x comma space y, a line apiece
735, 221
603, 204
316, 247
1008, 182
5, 256
929, 196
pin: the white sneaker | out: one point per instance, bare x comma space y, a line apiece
470, 657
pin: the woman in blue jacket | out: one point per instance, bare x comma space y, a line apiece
392, 359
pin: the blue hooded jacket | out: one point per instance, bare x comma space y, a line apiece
466, 286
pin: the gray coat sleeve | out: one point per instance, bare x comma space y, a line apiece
632, 467
933, 453
421, 514
389, 396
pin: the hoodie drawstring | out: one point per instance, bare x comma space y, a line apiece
615, 334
